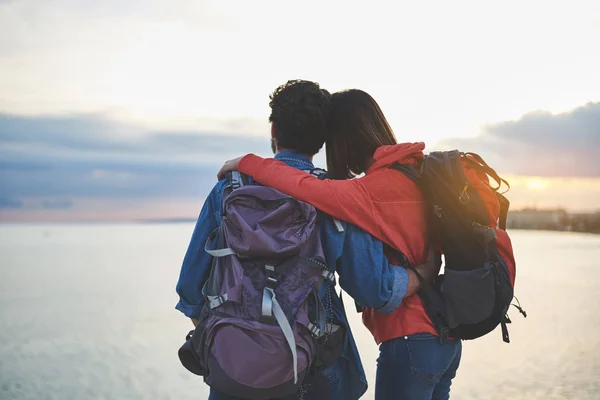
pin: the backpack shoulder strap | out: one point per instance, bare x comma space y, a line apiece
321, 175
412, 172
318, 173
235, 180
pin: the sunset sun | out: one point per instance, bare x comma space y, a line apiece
537, 183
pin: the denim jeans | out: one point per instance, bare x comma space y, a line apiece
416, 367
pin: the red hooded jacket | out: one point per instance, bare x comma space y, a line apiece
384, 203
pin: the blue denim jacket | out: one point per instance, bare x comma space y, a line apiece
357, 257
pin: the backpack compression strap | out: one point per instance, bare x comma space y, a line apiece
272, 309
504, 205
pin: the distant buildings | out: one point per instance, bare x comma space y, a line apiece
531, 218
553, 219
585, 222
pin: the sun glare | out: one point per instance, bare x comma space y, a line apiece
537, 183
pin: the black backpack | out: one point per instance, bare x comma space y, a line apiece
468, 215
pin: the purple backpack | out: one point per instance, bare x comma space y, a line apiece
258, 335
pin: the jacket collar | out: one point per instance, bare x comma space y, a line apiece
294, 159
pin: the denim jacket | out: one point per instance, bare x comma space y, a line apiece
357, 257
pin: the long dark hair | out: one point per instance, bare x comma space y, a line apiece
357, 128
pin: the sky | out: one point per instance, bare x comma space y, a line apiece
125, 110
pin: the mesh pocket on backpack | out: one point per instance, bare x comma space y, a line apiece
470, 295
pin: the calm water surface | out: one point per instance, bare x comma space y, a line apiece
86, 312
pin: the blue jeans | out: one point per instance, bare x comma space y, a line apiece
417, 367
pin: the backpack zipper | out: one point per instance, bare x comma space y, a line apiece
274, 204
460, 171
310, 259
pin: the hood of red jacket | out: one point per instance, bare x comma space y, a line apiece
403, 153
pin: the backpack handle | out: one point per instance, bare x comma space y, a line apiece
479, 162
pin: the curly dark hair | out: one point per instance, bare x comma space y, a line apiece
299, 114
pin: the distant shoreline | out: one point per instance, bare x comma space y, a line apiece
166, 221
105, 222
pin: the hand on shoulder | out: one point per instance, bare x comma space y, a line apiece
229, 166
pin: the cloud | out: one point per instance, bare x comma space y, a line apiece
57, 204
10, 203
540, 144
57, 158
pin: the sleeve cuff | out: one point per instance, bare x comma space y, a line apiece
398, 291
190, 311
249, 163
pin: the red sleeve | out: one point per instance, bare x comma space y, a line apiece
346, 200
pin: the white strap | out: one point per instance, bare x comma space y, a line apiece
267, 303
217, 252
271, 308
287, 333
221, 252
338, 225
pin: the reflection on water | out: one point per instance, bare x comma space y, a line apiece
86, 312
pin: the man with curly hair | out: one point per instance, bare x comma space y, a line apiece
299, 119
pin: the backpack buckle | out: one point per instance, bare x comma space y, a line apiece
314, 330
271, 279
329, 276
216, 301
271, 282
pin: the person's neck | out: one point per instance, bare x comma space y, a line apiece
310, 157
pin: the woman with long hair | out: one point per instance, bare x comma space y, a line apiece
413, 362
